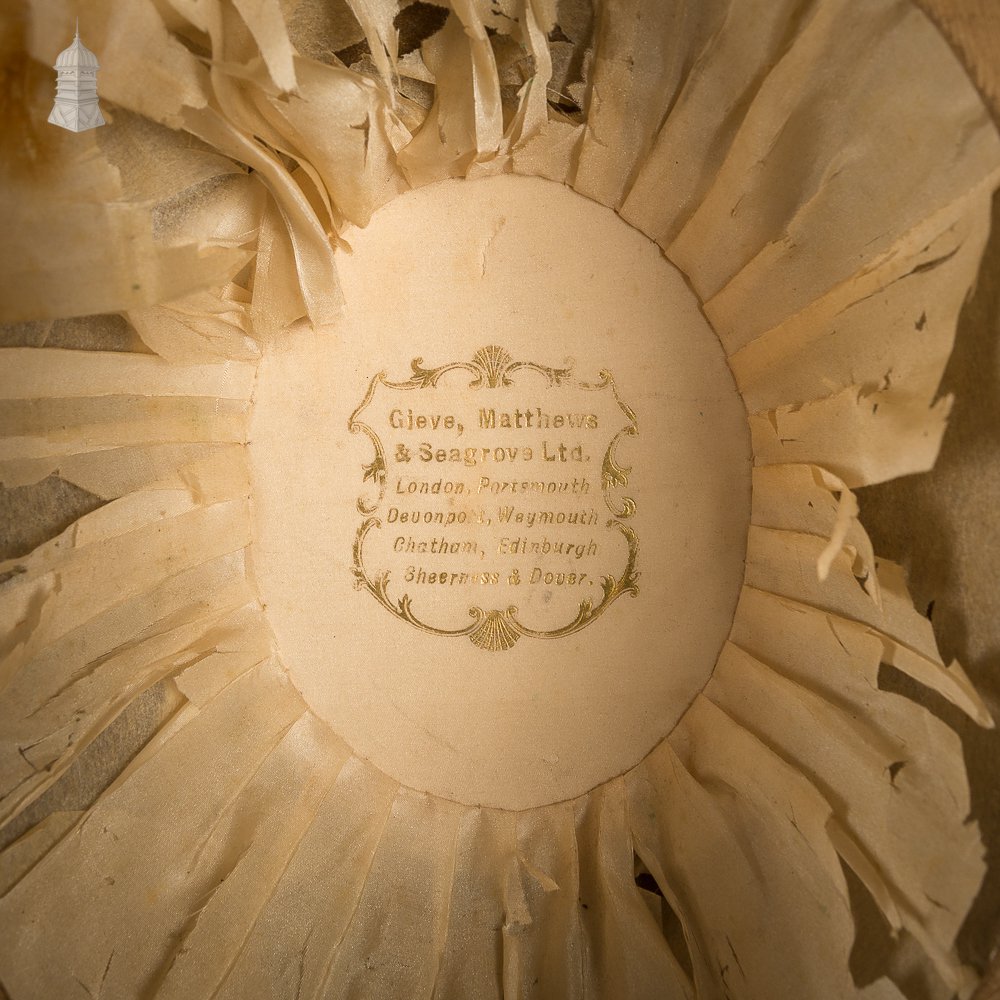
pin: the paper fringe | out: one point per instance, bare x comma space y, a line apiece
246, 850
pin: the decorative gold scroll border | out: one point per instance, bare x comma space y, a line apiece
497, 629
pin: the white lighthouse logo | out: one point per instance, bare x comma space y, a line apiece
76, 106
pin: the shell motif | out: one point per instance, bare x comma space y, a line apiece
494, 362
495, 632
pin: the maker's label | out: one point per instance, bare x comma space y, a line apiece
492, 501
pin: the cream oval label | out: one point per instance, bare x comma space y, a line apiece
500, 506
494, 484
